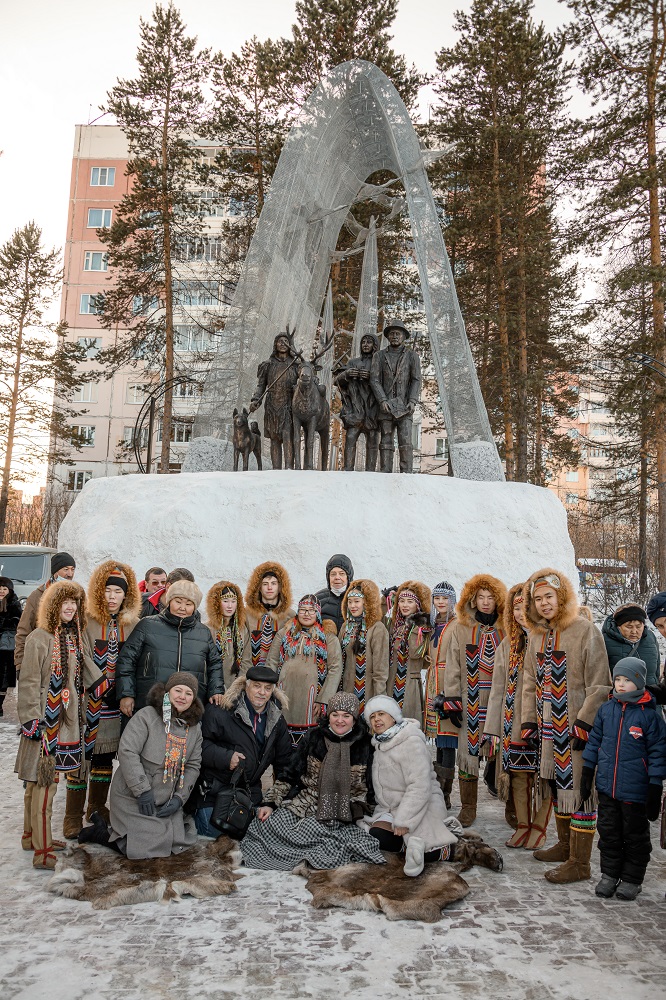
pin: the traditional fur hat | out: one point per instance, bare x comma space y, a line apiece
567, 612
466, 606
97, 606
382, 703
185, 589
372, 598
48, 614
253, 592
213, 606
345, 701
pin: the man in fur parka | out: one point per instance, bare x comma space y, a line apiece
364, 641
267, 610
566, 679
475, 637
409, 638
113, 608
57, 734
225, 617
516, 762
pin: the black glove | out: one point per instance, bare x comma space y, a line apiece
653, 804
170, 807
580, 733
586, 782
658, 692
578, 744
147, 803
455, 718
421, 620
438, 706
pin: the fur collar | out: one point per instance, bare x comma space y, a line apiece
252, 602
213, 609
373, 601
421, 591
231, 697
48, 614
567, 612
97, 607
191, 717
465, 613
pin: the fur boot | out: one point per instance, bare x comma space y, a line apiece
539, 826
577, 868
414, 860
98, 790
74, 806
445, 776
560, 850
520, 793
469, 790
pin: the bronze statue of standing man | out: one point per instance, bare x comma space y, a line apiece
395, 379
360, 411
276, 380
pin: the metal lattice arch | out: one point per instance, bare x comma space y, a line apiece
353, 125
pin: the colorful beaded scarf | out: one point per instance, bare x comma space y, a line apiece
481, 651
516, 658
400, 647
314, 644
175, 750
231, 633
66, 640
261, 639
552, 674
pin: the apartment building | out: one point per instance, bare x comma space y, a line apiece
107, 408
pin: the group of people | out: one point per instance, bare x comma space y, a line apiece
330, 695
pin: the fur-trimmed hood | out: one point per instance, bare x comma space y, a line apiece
511, 626
373, 601
253, 603
55, 595
421, 590
465, 613
97, 606
213, 609
191, 717
567, 612
233, 695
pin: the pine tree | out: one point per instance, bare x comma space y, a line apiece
621, 168
34, 356
152, 244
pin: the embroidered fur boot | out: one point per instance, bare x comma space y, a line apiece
577, 868
74, 806
469, 790
560, 850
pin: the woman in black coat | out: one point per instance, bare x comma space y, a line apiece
163, 644
10, 613
248, 730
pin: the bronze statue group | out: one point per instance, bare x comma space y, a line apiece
343, 717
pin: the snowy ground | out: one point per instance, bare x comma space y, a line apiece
515, 936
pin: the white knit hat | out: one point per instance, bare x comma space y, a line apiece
382, 703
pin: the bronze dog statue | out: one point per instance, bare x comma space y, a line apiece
247, 440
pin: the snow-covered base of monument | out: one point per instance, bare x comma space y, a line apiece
393, 527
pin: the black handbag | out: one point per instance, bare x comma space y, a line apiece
233, 810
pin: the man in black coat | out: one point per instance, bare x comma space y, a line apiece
339, 574
163, 644
247, 731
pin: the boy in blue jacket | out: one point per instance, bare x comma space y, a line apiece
627, 746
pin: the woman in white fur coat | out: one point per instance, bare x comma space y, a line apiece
410, 806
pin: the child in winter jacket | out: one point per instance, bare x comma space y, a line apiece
627, 746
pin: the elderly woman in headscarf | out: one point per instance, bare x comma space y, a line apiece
326, 789
308, 662
442, 731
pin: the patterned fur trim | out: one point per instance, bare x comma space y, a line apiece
213, 609
420, 589
568, 604
252, 602
482, 581
231, 697
329, 627
373, 601
48, 615
131, 606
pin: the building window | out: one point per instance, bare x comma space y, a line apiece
572, 476
83, 436
441, 450
548, 410
598, 430
135, 394
91, 345
572, 499
181, 431
209, 204
102, 176
128, 436
77, 480
196, 293
99, 218
191, 338
86, 393
144, 304
95, 261
204, 248
91, 305
187, 390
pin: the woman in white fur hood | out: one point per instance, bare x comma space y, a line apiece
410, 806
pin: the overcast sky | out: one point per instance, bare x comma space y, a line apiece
58, 58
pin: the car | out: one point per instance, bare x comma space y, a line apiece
28, 566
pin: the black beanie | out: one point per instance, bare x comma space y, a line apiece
629, 613
5, 581
60, 560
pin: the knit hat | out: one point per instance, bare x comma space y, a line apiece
345, 701
5, 581
60, 560
629, 613
185, 589
656, 607
442, 589
382, 703
117, 579
184, 678
339, 561
632, 668
262, 673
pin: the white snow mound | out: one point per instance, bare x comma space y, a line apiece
393, 527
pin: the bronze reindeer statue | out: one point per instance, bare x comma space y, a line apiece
310, 410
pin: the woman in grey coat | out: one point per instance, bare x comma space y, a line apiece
159, 759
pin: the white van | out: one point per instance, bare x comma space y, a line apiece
28, 566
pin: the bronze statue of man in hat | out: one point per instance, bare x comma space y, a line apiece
395, 379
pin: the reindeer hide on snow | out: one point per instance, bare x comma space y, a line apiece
102, 877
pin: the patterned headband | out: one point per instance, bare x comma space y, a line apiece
410, 593
355, 593
309, 602
228, 592
518, 599
550, 580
